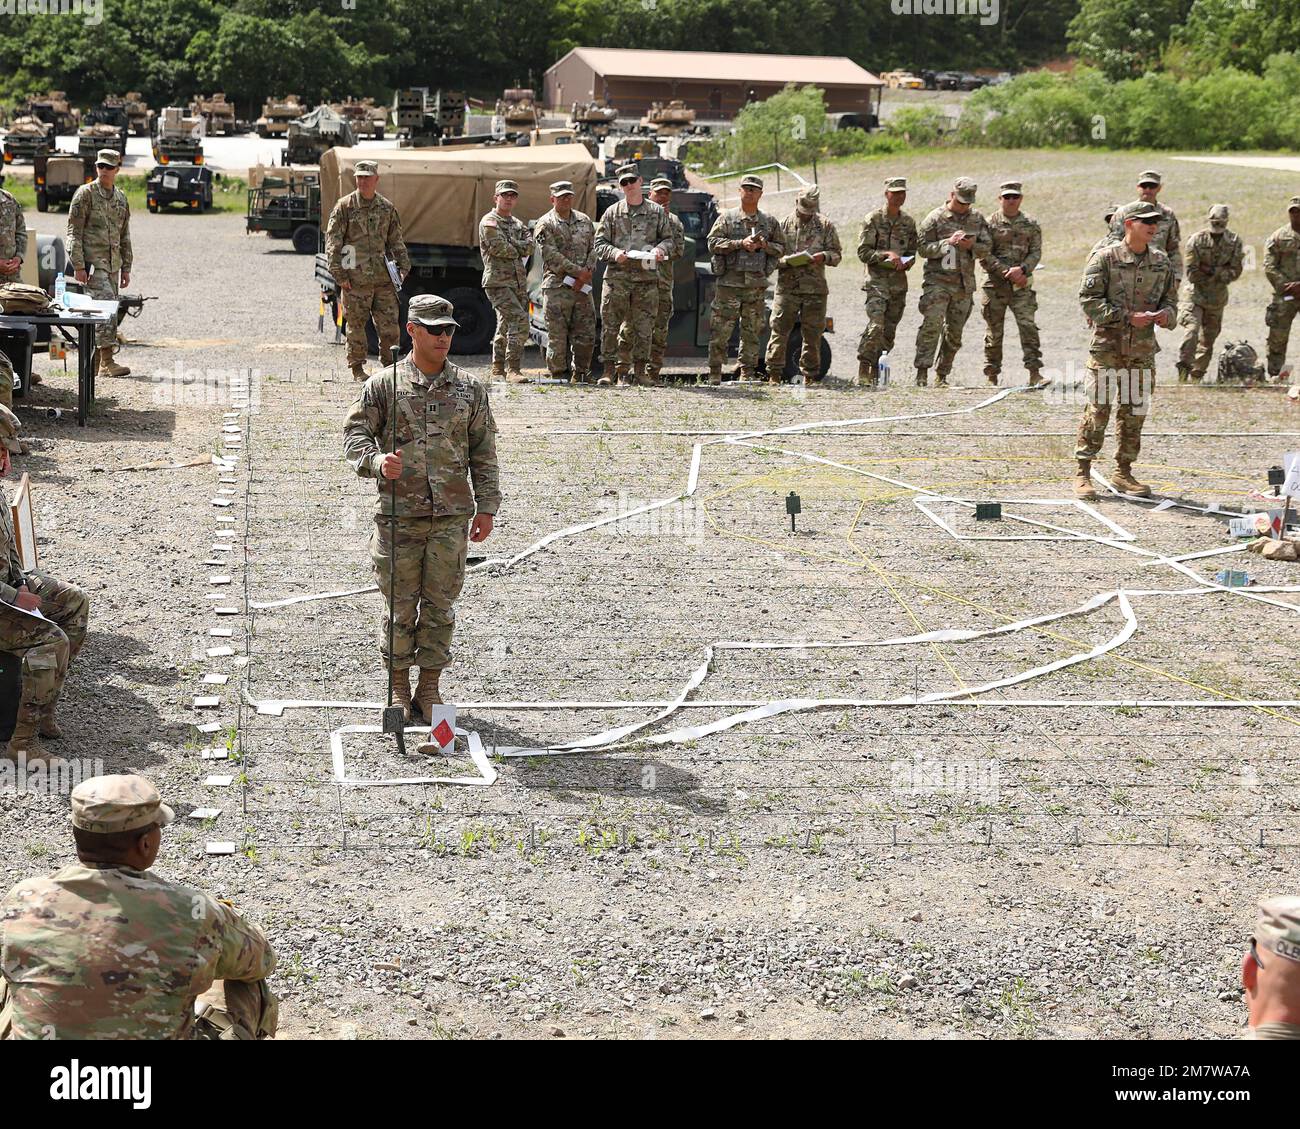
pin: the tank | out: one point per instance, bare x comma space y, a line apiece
673, 118
138, 114
27, 137
366, 119
277, 113
217, 114
593, 119
517, 110
312, 134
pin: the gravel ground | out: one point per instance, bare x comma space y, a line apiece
1095, 877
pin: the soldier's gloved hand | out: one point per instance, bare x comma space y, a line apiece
390, 466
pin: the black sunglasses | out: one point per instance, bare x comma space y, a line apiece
437, 330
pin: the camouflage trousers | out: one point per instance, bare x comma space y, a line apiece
1128, 391
885, 306
943, 317
1023, 304
658, 336
571, 328
634, 304
809, 310
48, 645
733, 304
511, 335
236, 1011
1278, 318
102, 284
430, 572
1202, 324
362, 303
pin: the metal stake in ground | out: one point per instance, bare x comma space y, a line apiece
394, 716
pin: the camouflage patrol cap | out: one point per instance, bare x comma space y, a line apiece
1278, 926
106, 805
1149, 176
751, 181
1144, 212
504, 186
628, 172
431, 310
661, 182
1219, 217
1010, 188
964, 189
562, 188
1111, 209
1294, 204
366, 167
110, 157
9, 424
808, 201
895, 184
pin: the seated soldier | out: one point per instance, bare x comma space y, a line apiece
47, 645
106, 949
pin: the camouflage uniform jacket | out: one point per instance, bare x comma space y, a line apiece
372, 229
567, 246
816, 233
11, 573
1166, 237
13, 228
99, 229
732, 264
628, 227
1282, 258
504, 243
1116, 283
1017, 242
679, 249
445, 432
1211, 264
945, 265
882, 233
106, 952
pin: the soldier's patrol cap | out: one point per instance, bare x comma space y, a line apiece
1111, 209
504, 186
1219, 217
9, 424
896, 184
751, 181
1010, 188
628, 172
562, 188
431, 310
661, 182
366, 167
1278, 926
1144, 212
106, 805
110, 157
1149, 176
964, 189
809, 200
1294, 204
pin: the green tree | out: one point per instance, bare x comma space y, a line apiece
1124, 38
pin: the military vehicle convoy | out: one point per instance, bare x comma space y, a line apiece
277, 113
218, 115
57, 177
178, 137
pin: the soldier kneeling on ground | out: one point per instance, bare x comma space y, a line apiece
106, 949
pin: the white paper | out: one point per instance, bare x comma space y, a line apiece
569, 280
1291, 487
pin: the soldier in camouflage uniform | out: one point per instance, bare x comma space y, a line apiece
445, 428
566, 239
13, 235
950, 239
504, 243
1128, 289
661, 193
99, 248
364, 231
107, 949
1106, 216
1282, 269
1270, 971
1214, 259
887, 245
1167, 233
1017, 247
801, 291
47, 645
630, 288
745, 245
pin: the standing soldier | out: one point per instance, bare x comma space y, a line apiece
801, 290
950, 239
99, 248
887, 246
504, 243
107, 949
364, 232
41, 619
566, 239
13, 235
445, 426
745, 245
1282, 269
1167, 235
1106, 217
1017, 247
1214, 258
1128, 289
630, 289
661, 193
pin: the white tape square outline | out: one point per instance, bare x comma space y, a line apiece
477, 754
1059, 533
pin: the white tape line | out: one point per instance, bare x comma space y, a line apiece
1062, 533
486, 777
264, 604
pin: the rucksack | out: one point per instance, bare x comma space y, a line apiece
20, 298
1239, 361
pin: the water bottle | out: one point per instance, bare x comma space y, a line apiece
60, 286
882, 370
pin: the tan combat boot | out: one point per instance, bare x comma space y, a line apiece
402, 690
606, 379
1083, 482
1183, 373
715, 377
867, 374
426, 692
515, 376
922, 377
941, 380
49, 725
1036, 378
991, 373
358, 372
1124, 481
108, 366
23, 739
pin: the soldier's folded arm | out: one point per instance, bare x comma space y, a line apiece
496, 244
360, 447
246, 953
484, 471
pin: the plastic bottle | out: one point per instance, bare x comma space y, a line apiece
60, 286
882, 370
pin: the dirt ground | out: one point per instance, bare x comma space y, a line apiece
969, 867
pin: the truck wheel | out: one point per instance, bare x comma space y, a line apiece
794, 346
306, 239
42, 202
477, 318
379, 134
